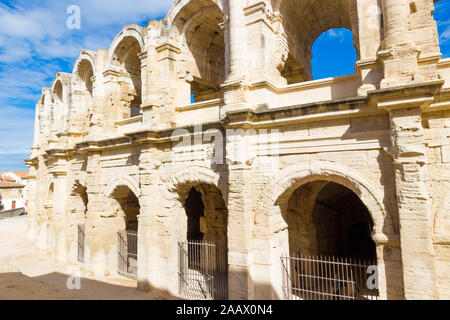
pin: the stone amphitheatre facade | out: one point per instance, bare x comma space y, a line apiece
266, 161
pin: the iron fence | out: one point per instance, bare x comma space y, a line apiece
328, 278
127, 254
203, 270
81, 242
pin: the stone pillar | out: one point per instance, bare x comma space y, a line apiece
240, 221
261, 44
32, 200
174, 91
414, 207
59, 253
113, 93
235, 56
94, 254
148, 251
367, 17
99, 101
399, 55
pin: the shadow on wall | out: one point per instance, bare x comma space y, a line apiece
53, 286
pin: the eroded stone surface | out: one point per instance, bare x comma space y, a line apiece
117, 136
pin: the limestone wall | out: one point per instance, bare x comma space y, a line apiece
122, 134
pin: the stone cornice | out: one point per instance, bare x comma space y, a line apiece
414, 95
377, 102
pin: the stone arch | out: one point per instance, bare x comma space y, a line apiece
279, 189
79, 192
82, 89
131, 31
123, 180
274, 200
195, 27
85, 55
176, 220
50, 188
181, 181
61, 91
175, 11
299, 37
124, 57
176, 188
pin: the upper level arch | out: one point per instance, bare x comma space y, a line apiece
82, 91
182, 11
196, 27
83, 71
121, 43
124, 58
301, 23
61, 91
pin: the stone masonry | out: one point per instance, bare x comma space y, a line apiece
217, 100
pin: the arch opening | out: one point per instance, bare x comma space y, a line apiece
56, 112
84, 92
206, 215
79, 201
126, 58
76, 233
200, 27
329, 238
303, 23
326, 218
203, 268
333, 54
127, 208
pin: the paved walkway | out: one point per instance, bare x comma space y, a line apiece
26, 273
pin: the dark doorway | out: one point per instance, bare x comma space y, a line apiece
195, 209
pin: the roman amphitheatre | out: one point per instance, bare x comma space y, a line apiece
197, 158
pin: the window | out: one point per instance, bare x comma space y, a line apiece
333, 54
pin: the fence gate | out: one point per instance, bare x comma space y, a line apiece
81, 242
203, 270
328, 278
127, 248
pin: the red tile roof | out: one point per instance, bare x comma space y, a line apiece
21, 174
9, 184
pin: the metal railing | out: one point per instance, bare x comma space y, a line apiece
127, 254
81, 242
203, 270
328, 278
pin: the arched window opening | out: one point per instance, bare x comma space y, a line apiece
205, 252
126, 56
78, 208
194, 211
79, 201
338, 223
57, 107
303, 22
200, 26
333, 54
329, 235
58, 91
127, 208
83, 96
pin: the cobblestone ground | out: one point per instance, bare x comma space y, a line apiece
26, 273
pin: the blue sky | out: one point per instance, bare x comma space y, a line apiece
35, 44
